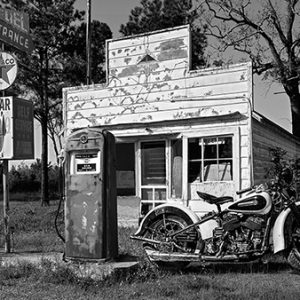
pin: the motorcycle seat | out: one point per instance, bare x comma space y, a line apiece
211, 199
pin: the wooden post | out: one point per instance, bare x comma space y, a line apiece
6, 207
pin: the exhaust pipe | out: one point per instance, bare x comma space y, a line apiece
189, 257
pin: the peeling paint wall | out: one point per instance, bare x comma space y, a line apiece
149, 80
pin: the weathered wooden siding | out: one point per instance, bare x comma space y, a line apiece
268, 135
151, 91
149, 81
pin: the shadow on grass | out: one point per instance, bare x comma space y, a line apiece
251, 267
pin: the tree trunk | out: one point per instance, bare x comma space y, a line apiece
295, 108
292, 90
44, 161
44, 123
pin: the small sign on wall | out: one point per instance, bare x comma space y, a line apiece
16, 129
6, 127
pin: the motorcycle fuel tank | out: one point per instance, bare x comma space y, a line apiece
253, 203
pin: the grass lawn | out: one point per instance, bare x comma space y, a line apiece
34, 231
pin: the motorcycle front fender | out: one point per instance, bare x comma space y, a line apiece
172, 209
279, 240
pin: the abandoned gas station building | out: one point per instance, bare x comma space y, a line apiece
177, 130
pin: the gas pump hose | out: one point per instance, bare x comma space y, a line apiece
61, 199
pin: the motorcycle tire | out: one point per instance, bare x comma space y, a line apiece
163, 226
294, 259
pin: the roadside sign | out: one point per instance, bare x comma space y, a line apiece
14, 29
6, 127
8, 70
16, 128
19, 20
23, 137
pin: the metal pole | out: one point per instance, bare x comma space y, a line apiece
6, 206
5, 195
88, 43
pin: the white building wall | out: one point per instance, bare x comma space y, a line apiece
152, 92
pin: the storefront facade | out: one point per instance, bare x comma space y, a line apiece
177, 130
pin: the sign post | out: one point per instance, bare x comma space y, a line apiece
7, 243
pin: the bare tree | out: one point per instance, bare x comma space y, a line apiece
268, 32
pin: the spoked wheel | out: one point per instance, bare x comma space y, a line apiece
294, 255
162, 230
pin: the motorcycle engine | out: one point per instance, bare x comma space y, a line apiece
238, 234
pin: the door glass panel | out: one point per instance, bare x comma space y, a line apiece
153, 163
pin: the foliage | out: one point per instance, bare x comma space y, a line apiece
75, 66
27, 178
280, 162
160, 14
268, 32
57, 61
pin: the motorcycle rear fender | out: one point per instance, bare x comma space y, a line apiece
170, 209
279, 240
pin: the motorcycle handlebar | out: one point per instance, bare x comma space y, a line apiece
244, 190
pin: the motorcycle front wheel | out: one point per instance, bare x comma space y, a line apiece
161, 229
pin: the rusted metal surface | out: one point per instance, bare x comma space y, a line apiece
90, 207
84, 233
149, 79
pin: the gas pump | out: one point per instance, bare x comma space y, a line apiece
91, 230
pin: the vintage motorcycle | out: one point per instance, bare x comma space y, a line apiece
265, 219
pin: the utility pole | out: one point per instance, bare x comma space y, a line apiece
7, 244
88, 43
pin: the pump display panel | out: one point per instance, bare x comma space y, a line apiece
85, 162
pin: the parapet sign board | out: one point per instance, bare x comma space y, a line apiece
16, 128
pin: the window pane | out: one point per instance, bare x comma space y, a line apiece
194, 149
210, 148
211, 172
194, 166
147, 194
225, 147
225, 170
160, 194
153, 163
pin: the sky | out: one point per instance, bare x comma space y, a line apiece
112, 12
268, 97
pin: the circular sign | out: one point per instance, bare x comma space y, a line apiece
8, 70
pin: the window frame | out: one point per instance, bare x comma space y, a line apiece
207, 132
202, 160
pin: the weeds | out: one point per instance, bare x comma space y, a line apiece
34, 230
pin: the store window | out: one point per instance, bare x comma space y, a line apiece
210, 159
